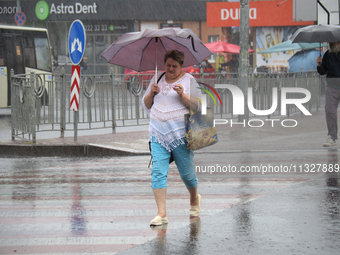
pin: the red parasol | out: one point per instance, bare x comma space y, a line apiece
224, 47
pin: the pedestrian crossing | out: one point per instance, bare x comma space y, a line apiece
103, 205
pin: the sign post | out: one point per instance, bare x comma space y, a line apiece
76, 46
244, 53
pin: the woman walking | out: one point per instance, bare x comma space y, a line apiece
166, 103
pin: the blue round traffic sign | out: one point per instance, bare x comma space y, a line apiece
76, 41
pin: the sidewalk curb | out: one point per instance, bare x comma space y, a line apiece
66, 150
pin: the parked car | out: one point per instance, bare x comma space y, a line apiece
262, 70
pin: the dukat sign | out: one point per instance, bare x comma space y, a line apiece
261, 14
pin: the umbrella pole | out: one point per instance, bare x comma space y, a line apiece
320, 49
156, 60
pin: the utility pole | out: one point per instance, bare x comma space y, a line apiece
244, 56
18, 6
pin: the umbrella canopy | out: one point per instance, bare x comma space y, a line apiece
305, 60
224, 47
317, 33
289, 45
142, 51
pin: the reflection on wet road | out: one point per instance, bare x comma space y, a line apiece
104, 205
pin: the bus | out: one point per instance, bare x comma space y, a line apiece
23, 49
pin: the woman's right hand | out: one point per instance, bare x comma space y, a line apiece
148, 99
154, 89
319, 60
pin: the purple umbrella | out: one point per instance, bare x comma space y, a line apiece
142, 51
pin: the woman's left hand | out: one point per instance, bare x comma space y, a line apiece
185, 97
179, 89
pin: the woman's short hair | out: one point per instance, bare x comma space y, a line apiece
175, 55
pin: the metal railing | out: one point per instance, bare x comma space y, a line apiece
23, 99
42, 103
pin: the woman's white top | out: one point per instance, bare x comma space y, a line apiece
167, 125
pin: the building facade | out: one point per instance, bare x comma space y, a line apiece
105, 21
270, 22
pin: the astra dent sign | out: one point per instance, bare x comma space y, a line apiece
43, 9
72, 9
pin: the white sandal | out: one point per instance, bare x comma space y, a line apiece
195, 210
158, 220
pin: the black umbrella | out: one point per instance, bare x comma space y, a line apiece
317, 33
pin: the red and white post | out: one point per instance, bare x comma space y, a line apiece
75, 79
74, 102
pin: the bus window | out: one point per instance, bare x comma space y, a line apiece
19, 58
9, 56
2, 56
2, 53
42, 54
29, 52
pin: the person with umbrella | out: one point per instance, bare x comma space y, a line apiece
166, 102
330, 65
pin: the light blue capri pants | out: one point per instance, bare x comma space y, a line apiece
160, 165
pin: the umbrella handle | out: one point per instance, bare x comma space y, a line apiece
156, 74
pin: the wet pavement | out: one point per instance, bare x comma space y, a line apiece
309, 134
264, 191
